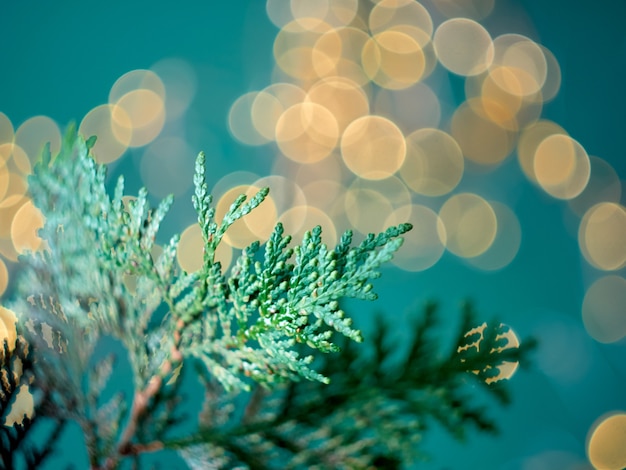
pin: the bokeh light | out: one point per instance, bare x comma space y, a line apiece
27, 221
113, 134
307, 132
605, 443
257, 225
602, 236
434, 162
561, 166
506, 369
471, 224
141, 95
373, 147
463, 46
190, 253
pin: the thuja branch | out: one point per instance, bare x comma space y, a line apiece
245, 326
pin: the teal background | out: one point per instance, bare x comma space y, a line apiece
60, 59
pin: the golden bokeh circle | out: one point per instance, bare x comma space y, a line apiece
525, 58
529, 139
373, 147
243, 123
393, 59
24, 227
471, 224
7, 132
110, 144
344, 98
190, 253
388, 14
257, 225
4, 277
463, 46
561, 166
605, 444
140, 112
307, 132
602, 236
434, 162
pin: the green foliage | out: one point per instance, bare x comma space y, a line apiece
16, 372
373, 413
257, 324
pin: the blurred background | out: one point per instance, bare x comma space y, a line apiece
495, 126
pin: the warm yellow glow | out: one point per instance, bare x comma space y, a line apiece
8, 320
481, 139
4, 277
142, 112
26, 223
257, 225
34, 133
506, 369
434, 162
605, 444
190, 254
561, 166
373, 147
136, 80
22, 405
8, 207
525, 57
602, 236
530, 138
603, 309
393, 59
388, 14
5, 175
338, 53
307, 132
110, 144
424, 245
295, 52
471, 224
463, 46
344, 98
505, 244
6, 129
309, 14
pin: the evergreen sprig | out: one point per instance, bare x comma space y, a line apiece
99, 277
375, 410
